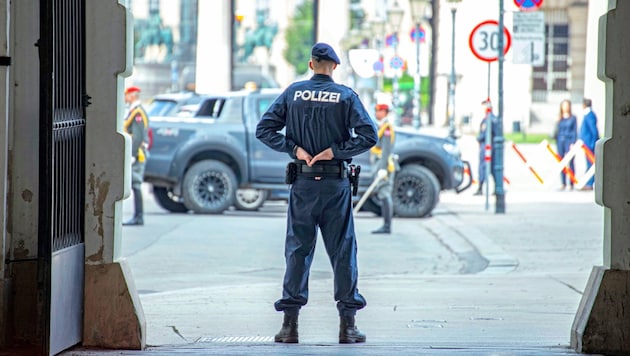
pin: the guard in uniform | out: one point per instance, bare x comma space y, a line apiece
481, 138
137, 125
384, 165
326, 125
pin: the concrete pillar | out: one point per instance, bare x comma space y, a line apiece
214, 47
113, 315
594, 88
603, 318
23, 158
4, 144
337, 12
577, 13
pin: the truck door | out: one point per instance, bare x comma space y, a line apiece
265, 164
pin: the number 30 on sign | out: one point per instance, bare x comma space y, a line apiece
484, 41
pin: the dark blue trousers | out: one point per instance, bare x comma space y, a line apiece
325, 204
564, 146
483, 164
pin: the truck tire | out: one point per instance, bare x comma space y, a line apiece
250, 199
209, 187
372, 205
165, 199
416, 191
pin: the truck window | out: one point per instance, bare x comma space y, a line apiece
263, 105
211, 108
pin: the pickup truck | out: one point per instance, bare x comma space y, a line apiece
208, 160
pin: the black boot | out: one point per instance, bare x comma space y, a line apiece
348, 332
385, 229
138, 216
289, 331
479, 191
136, 220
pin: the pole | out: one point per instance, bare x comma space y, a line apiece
488, 86
315, 32
379, 48
395, 84
451, 91
416, 82
488, 146
498, 140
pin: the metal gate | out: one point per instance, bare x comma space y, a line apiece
61, 172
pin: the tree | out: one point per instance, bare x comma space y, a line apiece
299, 30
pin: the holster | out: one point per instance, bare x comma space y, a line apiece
290, 173
353, 174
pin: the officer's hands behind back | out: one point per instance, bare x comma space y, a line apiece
301, 154
325, 155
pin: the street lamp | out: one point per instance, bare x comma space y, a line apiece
394, 17
418, 11
451, 85
378, 26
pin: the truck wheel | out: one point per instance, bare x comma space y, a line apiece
165, 198
372, 205
416, 191
250, 199
209, 187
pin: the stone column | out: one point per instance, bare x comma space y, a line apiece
113, 316
4, 155
214, 47
23, 157
602, 322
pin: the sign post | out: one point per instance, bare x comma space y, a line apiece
488, 46
528, 32
499, 192
484, 41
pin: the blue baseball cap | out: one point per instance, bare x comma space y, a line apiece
324, 51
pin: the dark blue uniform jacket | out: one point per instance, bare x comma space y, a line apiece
589, 133
318, 114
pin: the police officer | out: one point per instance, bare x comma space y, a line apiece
384, 166
481, 138
326, 125
137, 125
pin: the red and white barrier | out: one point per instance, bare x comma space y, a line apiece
564, 161
527, 164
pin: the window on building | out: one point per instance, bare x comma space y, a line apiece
553, 76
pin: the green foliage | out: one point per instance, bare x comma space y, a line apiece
522, 137
298, 35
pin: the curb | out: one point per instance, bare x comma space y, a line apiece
478, 252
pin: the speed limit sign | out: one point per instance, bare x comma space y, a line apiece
484, 41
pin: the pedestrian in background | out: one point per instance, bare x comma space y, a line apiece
326, 125
589, 134
566, 135
136, 125
486, 106
384, 166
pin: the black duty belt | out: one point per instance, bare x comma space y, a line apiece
303, 168
337, 170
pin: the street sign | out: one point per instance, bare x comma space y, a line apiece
528, 5
396, 62
484, 41
528, 32
391, 40
378, 66
417, 35
362, 61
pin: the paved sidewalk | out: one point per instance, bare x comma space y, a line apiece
523, 275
